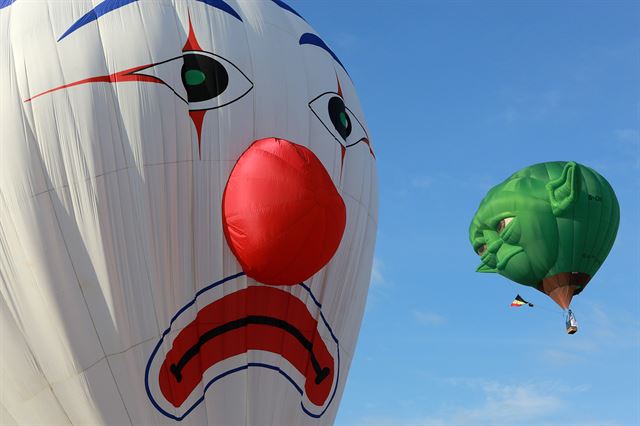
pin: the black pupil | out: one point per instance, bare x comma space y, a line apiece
203, 77
339, 117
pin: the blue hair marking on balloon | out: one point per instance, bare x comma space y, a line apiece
287, 7
110, 5
7, 3
313, 39
220, 4
102, 9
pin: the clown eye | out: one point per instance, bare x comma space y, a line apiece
201, 79
503, 224
338, 119
481, 250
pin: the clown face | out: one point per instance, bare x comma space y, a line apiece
188, 205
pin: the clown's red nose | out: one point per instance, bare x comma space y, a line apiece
281, 213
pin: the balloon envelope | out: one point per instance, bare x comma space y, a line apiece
549, 226
188, 207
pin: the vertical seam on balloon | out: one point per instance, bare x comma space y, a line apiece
37, 364
123, 221
607, 241
193, 173
590, 261
66, 247
604, 230
578, 237
586, 263
577, 175
27, 124
346, 194
253, 73
178, 27
614, 216
68, 96
53, 110
62, 156
109, 202
114, 97
309, 95
24, 114
141, 171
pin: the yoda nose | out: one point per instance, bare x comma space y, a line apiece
494, 246
494, 242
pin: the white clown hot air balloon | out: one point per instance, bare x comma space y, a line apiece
188, 208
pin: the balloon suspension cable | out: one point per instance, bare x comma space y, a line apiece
556, 311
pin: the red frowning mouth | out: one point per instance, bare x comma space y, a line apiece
255, 318
258, 318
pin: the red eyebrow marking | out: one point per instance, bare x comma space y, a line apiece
117, 77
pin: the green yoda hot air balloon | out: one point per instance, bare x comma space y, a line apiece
549, 226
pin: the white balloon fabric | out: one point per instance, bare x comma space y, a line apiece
123, 300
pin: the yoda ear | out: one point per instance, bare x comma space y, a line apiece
564, 190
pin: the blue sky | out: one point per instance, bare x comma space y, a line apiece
458, 96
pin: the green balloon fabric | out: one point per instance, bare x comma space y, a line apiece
549, 226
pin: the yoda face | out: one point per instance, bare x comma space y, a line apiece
515, 230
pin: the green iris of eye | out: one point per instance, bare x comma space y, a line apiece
194, 77
343, 119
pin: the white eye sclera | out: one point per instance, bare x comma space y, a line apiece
503, 224
338, 119
203, 80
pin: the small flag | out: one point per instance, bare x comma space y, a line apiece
519, 301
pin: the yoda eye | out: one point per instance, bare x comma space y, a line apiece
503, 224
481, 250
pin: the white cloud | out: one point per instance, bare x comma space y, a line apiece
428, 318
528, 403
612, 327
422, 182
507, 404
380, 287
628, 136
447, 180
377, 279
347, 41
524, 104
508, 115
560, 357
599, 329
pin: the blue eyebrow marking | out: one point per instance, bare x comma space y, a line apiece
110, 5
308, 38
220, 4
289, 8
103, 8
7, 3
